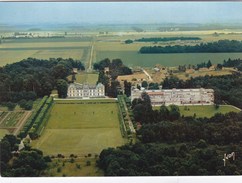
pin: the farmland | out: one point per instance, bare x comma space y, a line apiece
133, 58
15, 50
80, 128
113, 46
205, 111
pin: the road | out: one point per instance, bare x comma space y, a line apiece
89, 69
147, 74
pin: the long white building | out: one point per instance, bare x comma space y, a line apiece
177, 96
76, 90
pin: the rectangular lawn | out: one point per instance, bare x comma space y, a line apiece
205, 111
80, 129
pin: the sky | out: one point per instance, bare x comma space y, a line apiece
119, 12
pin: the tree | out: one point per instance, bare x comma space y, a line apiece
28, 164
164, 112
113, 89
174, 112
144, 84
10, 106
138, 111
128, 41
27, 105
127, 88
209, 64
62, 88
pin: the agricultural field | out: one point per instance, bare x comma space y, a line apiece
80, 129
205, 111
133, 58
16, 50
114, 47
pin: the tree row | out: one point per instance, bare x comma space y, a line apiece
221, 46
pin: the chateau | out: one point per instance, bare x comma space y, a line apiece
177, 96
76, 90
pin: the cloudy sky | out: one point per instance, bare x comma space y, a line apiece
120, 12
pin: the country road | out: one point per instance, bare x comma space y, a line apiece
147, 74
89, 69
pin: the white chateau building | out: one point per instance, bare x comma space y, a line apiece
177, 96
76, 90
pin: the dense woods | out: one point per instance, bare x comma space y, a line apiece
32, 78
28, 163
213, 47
152, 159
171, 144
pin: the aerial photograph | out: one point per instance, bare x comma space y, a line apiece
113, 89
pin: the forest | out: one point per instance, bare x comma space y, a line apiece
33, 78
171, 144
220, 46
28, 163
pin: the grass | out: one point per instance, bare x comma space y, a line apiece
87, 101
71, 169
15, 50
3, 132
10, 56
85, 78
133, 58
183, 75
205, 111
80, 129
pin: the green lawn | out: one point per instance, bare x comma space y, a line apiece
133, 58
80, 129
85, 78
3, 132
205, 111
14, 50
90, 101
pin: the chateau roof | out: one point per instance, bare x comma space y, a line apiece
85, 86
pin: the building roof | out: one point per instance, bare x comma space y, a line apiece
79, 86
